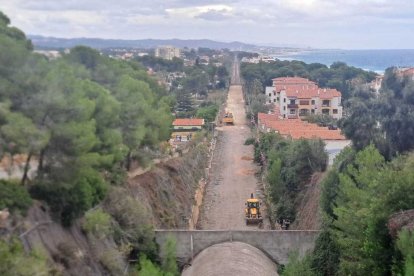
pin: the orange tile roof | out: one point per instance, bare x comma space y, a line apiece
303, 88
188, 122
408, 72
292, 80
296, 128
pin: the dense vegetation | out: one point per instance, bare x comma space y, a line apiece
338, 75
14, 261
387, 119
290, 165
360, 193
160, 64
198, 82
368, 184
83, 117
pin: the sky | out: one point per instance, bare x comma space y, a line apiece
345, 24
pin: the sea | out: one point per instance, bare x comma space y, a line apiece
370, 60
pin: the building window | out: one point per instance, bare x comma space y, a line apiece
292, 112
313, 111
274, 100
325, 103
277, 98
304, 102
284, 108
292, 101
325, 111
270, 94
313, 102
284, 100
335, 111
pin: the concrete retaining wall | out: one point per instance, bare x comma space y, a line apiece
276, 244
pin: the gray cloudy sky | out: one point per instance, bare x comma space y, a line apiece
353, 24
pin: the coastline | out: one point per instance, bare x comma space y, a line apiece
370, 60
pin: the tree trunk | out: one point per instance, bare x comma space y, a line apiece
41, 158
26, 168
11, 165
128, 161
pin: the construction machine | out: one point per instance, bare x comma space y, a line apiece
228, 118
253, 215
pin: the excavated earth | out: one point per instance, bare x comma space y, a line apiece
233, 179
233, 172
167, 191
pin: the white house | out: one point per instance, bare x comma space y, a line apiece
300, 97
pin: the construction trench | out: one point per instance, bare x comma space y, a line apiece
231, 181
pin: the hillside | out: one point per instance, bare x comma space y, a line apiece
54, 42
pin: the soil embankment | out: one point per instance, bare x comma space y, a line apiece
167, 191
308, 215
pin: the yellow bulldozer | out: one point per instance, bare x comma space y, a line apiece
253, 215
228, 118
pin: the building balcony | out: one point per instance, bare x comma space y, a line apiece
304, 112
292, 106
326, 103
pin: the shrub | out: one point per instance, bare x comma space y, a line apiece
97, 223
132, 224
249, 141
208, 113
14, 196
298, 266
68, 200
112, 261
147, 268
14, 261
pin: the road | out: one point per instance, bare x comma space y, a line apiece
233, 170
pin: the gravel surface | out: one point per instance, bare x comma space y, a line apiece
232, 174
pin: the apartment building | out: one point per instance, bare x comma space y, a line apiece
296, 97
167, 52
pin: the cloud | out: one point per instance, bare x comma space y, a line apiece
213, 15
318, 23
196, 11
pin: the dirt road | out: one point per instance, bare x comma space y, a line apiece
233, 170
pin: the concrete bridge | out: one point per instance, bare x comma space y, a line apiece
276, 244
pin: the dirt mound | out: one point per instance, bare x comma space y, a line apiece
168, 189
247, 158
308, 215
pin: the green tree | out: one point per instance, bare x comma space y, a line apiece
208, 113
147, 268
169, 263
14, 197
298, 266
405, 245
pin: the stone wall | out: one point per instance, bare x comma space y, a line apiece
276, 244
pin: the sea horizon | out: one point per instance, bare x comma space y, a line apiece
376, 60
